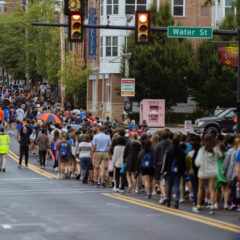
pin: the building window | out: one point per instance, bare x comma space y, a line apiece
112, 7
228, 6
178, 8
111, 46
102, 8
108, 90
101, 47
133, 5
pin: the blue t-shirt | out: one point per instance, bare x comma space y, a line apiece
238, 157
5, 114
82, 115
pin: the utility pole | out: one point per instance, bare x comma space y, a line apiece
62, 89
238, 84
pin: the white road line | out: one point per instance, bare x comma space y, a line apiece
6, 226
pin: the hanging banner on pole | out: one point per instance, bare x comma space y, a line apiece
229, 56
128, 87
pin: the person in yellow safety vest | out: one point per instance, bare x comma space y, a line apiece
4, 147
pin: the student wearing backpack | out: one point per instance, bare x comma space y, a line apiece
63, 153
175, 168
43, 145
146, 161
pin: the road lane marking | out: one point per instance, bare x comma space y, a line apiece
31, 165
6, 226
181, 211
179, 214
34, 168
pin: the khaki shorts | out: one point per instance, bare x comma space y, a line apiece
101, 159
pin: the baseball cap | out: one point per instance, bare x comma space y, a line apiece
1, 129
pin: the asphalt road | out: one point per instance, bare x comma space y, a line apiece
35, 205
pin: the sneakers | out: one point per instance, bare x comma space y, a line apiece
238, 208
121, 191
4, 170
176, 205
163, 200
154, 193
130, 188
168, 203
116, 190
196, 209
232, 206
19, 166
102, 185
211, 210
181, 200
137, 190
216, 206
148, 195
95, 185
226, 206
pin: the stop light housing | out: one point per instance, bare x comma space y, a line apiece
72, 6
142, 22
75, 27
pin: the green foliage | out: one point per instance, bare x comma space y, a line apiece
216, 84
162, 69
27, 49
74, 76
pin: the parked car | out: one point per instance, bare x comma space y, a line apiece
224, 120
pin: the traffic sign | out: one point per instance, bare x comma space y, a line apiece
190, 32
188, 125
128, 87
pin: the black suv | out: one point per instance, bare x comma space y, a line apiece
223, 120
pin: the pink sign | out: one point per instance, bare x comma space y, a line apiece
153, 111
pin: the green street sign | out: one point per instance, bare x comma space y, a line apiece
189, 32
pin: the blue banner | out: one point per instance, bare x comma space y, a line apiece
92, 34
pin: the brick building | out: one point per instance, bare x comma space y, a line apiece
103, 48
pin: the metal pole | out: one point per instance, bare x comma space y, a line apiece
62, 54
238, 84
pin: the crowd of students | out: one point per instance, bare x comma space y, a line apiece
129, 159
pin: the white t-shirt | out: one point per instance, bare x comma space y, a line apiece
20, 114
84, 149
42, 88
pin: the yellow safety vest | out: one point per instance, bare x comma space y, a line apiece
4, 144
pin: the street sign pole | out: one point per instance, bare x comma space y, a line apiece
238, 83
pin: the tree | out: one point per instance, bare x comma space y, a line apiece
215, 84
162, 69
26, 49
74, 76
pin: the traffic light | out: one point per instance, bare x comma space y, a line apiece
72, 6
75, 27
142, 35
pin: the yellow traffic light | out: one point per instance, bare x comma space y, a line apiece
72, 6
75, 28
142, 27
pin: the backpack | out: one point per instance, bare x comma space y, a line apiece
12, 114
63, 151
174, 167
147, 161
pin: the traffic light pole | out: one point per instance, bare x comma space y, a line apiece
238, 85
131, 28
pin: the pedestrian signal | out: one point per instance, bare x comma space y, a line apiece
142, 23
75, 27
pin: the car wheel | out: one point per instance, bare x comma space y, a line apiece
212, 128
